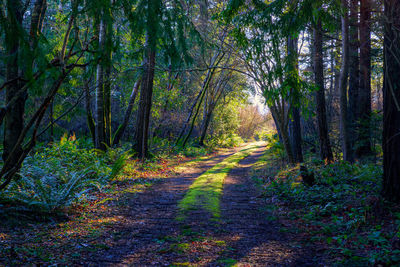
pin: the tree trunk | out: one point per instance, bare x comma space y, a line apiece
214, 62
107, 78
146, 94
283, 133
278, 129
121, 129
89, 114
206, 123
287, 146
364, 102
295, 134
324, 144
14, 117
391, 102
344, 73
353, 71
100, 105
294, 122
197, 109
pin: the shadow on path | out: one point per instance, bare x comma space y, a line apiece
150, 235
147, 220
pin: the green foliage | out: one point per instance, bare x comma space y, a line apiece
225, 124
57, 175
41, 190
343, 209
192, 151
225, 140
119, 164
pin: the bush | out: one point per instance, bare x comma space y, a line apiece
192, 151
225, 140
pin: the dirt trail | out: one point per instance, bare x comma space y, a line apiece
149, 235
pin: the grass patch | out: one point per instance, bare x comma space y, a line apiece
228, 262
206, 190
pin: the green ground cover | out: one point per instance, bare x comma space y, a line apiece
206, 190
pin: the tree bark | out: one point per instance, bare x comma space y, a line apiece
100, 128
324, 144
14, 117
107, 78
344, 73
353, 71
391, 105
364, 102
282, 128
206, 123
294, 122
146, 94
211, 68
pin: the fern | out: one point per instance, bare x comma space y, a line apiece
49, 192
119, 164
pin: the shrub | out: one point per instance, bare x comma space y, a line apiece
192, 151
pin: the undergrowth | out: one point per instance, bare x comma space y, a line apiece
68, 198
342, 213
60, 174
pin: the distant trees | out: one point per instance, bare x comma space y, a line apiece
352, 83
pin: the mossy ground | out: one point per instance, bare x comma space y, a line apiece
205, 192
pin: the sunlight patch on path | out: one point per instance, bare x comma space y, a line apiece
205, 192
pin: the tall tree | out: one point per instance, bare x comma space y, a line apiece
103, 75
294, 123
391, 100
20, 63
344, 75
353, 70
324, 143
14, 117
364, 95
100, 129
153, 10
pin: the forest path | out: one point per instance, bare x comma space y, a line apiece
151, 235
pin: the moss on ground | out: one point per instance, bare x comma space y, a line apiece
206, 190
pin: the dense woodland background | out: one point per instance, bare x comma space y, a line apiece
152, 78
